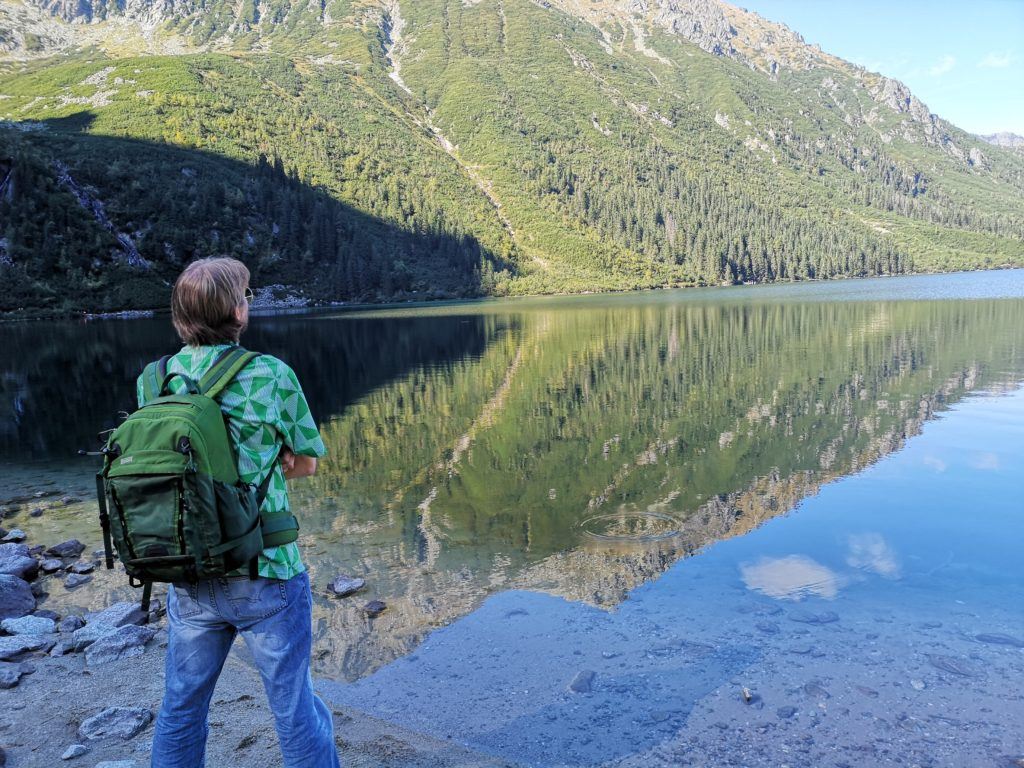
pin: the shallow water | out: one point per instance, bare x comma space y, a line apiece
812, 492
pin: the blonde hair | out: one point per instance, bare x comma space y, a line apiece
205, 298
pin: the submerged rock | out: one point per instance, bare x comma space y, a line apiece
375, 608
1000, 639
76, 580
809, 617
952, 665
82, 568
784, 713
344, 585
50, 565
69, 548
583, 682
15, 534
15, 597
121, 722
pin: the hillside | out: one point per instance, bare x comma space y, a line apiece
361, 149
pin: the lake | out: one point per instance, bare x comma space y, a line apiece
747, 526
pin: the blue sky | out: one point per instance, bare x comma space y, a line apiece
965, 60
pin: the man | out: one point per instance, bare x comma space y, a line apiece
272, 430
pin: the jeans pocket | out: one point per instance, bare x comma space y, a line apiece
253, 599
187, 598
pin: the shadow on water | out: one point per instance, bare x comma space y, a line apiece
61, 382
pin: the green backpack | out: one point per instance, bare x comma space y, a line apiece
169, 492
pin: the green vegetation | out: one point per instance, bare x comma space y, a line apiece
527, 156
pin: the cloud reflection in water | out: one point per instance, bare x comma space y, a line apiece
790, 578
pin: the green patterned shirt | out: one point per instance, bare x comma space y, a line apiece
265, 409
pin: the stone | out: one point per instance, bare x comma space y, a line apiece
10, 674
952, 665
995, 638
375, 608
784, 713
46, 614
768, 627
71, 623
12, 646
29, 625
809, 617
89, 634
344, 585
63, 646
36, 512
15, 560
15, 534
15, 597
69, 548
117, 764
583, 682
816, 690
75, 750
917, 685
118, 615
83, 568
119, 722
123, 643
76, 580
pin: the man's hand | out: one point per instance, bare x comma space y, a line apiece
296, 466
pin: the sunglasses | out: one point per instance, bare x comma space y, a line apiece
249, 295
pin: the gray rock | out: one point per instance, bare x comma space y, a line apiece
118, 615
117, 764
29, 625
76, 580
15, 597
952, 665
46, 614
784, 713
344, 585
10, 674
89, 634
120, 722
15, 534
69, 548
15, 560
12, 646
50, 565
71, 623
36, 512
809, 617
374, 608
63, 646
583, 682
995, 638
75, 750
123, 643
82, 568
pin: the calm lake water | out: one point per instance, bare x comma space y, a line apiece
597, 520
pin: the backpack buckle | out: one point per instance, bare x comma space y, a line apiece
184, 446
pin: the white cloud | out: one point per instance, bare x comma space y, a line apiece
935, 463
985, 461
997, 60
944, 66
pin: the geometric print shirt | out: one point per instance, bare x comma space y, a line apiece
265, 409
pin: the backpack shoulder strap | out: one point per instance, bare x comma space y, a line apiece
153, 378
224, 369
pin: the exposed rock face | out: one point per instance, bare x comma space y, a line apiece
702, 22
1005, 139
29, 625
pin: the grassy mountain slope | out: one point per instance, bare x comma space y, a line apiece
445, 147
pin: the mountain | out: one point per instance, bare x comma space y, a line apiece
1005, 139
382, 149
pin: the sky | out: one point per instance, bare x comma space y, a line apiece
964, 59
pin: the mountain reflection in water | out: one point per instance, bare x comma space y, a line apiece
579, 451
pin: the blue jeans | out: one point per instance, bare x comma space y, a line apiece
275, 618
